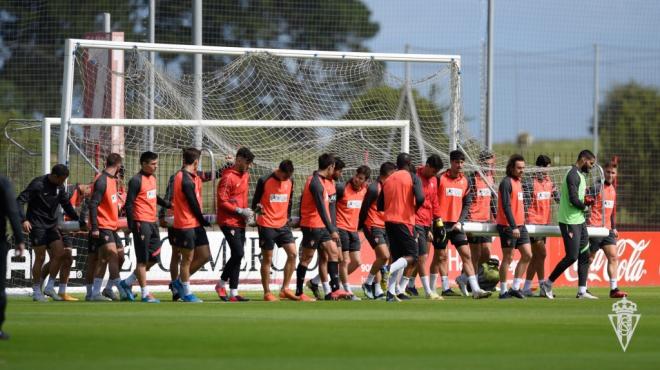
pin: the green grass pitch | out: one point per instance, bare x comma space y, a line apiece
457, 333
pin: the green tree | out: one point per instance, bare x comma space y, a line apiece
629, 122
33, 33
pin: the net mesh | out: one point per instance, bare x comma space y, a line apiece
262, 86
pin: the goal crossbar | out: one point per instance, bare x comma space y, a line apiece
227, 50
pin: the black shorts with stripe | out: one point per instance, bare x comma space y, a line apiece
269, 237
106, 236
146, 237
189, 238
597, 243
350, 241
508, 241
376, 236
403, 241
40, 237
314, 237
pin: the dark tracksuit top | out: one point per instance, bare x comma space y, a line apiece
9, 212
43, 200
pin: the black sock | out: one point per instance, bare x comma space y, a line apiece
300, 278
333, 271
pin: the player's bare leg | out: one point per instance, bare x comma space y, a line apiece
440, 266
175, 261
107, 257
475, 254
90, 270
468, 269
321, 279
333, 257
612, 270
37, 264
187, 257
289, 267
371, 286
120, 262
65, 270
536, 266
349, 263
201, 257
266, 261
56, 251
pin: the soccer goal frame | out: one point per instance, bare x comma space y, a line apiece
72, 45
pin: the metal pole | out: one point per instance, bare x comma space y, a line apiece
489, 78
152, 61
45, 147
455, 105
197, 70
596, 88
67, 100
107, 24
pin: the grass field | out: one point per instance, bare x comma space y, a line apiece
457, 333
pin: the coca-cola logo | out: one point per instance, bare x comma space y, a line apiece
631, 268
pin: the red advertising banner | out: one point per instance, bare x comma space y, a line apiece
639, 261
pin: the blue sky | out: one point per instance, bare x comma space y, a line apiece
543, 54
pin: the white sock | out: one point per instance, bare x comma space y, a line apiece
347, 287
61, 288
392, 284
528, 285
326, 287
370, 279
233, 292
145, 291
36, 289
613, 284
109, 284
316, 279
96, 287
399, 276
445, 282
403, 284
411, 282
425, 284
474, 284
131, 279
116, 282
516, 283
378, 291
186, 288
399, 264
89, 289
222, 283
433, 281
503, 286
51, 283
582, 289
